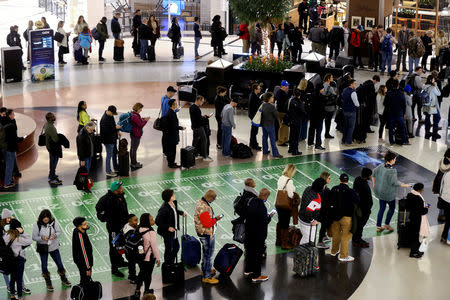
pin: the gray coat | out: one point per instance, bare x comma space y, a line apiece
20, 244
268, 115
46, 231
434, 93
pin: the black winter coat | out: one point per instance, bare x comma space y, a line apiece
349, 198
296, 112
303, 9
85, 145
108, 131
254, 102
414, 204
216, 34
176, 33
117, 214
309, 206
171, 127
115, 25
13, 39
364, 192
219, 103
145, 33
395, 103
11, 138
166, 218
82, 250
317, 108
282, 99
257, 221
137, 21
336, 37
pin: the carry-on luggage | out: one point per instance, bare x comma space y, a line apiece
172, 273
97, 141
360, 131
90, 291
190, 248
403, 222
434, 64
227, 259
187, 153
306, 258
398, 138
78, 55
180, 51
295, 235
342, 61
118, 53
151, 53
124, 164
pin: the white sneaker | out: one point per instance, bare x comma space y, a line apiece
207, 158
326, 239
111, 174
347, 259
322, 246
334, 254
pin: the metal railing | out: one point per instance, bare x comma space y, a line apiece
55, 7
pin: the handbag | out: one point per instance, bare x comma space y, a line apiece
64, 49
58, 37
283, 201
41, 140
424, 245
157, 124
239, 232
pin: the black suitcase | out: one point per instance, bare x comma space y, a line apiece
151, 53
118, 53
90, 291
403, 222
306, 259
227, 259
360, 131
434, 64
343, 61
398, 138
172, 273
187, 154
124, 164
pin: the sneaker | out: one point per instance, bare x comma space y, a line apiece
26, 290
210, 280
278, 156
329, 136
334, 254
326, 239
101, 59
207, 159
8, 186
111, 174
415, 255
55, 182
198, 157
260, 279
388, 227
347, 259
247, 273
380, 229
218, 147
319, 148
175, 166
321, 245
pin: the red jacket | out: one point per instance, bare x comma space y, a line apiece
355, 39
244, 28
137, 124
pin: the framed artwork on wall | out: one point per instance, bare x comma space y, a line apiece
356, 21
369, 23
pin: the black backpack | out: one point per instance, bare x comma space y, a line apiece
102, 209
82, 179
8, 261
134, 244
240, 205
241, 151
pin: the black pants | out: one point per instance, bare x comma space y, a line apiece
219, 131
357, 235
416, 101
83, 277
447, 221
284, 218
199, 142
328, 118
315, 129
115, 258
280, 48
335, 50
322, 232
294, 135
174, 49
401, 58
357, 56
383, 121
60, 55
253, 134
303, 22
101, 46
131, 266
424, 60
145, 274
171, 248
296, 54
218, 50
171, 153
254, 251
136, 43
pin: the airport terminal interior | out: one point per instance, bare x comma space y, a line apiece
281, 55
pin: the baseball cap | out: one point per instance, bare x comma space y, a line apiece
112, 109
115, 185
343, 177
284, 83
171, 89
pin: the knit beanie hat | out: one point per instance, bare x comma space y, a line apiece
14, 224
6, 213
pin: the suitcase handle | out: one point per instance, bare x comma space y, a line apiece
184, 225
315, 235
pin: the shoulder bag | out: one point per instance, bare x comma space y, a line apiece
283, 201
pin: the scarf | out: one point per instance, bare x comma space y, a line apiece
424, 224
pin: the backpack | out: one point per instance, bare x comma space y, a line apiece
134, 245
7, 259
102, 209
386, 45
82, 180
124, 122
3, 143
95, 33
241, 151
411, 80
240, 205
424, 97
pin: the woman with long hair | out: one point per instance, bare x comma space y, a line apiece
64, 45
155, 29
82, 116
381, 94
46, 233
286, 184
81, 23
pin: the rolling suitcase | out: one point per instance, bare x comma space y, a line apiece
97, 141
118, 53
227, 259
187, 153
172, 273
403, 222
306, 259
180, 51
78, 55
190, 248
151, 53
124, 164
434, 64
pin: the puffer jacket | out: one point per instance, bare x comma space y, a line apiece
39, 232
85, 40
309, 206
434, 93
445, 187
205, 222
137, 124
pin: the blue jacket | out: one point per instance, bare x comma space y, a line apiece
85, 40
348, 105
164, 105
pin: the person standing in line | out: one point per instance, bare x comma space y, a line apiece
44, 21
10, 153
444, 194
381, 94
309, 212
403, 37
303, 13
152, 256
256, 226
46, 233
176, 37
269, 116
385, 185
82, 250
362, 188
416, 50
220, 101
168, 222
228, 124
408, 112
316, 36
197, 36
254, 103
415, 81
53, 146
205, 226
81, 23
116, 29
102, 30
418, 209
356, 42
316, 118
109, 132
64, 45
19, 241
85, 145
441, 44
13, 40
279, 39
296, 113
346, 37
387, 44
432, 109
137, 125
343, 200
199, 139
330, 93
373, 41
324, 216
427, 40
171, 134
170, 93
85, 39
335, 41
155, 30
282, 98
26, 36
144, 35
137, 21
245, 37
128, 230
305, 98
216, 36
395, 107
349, 106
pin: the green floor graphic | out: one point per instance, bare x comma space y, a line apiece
143, 194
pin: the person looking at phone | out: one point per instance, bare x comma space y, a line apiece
205, 226
256, 224
198, 122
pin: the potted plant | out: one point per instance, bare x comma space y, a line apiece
426, 4
406, 13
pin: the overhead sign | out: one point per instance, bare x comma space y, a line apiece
42, 55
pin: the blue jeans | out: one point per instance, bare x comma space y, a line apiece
144, 46
17, 277
56, 256
411, 62
400, 122
10, 162
53, 163
386, 56
111, 154
87, 163
382, 209
436, 119
226, 140
349, 126
269, 132
197, 43
208, 250
304, 130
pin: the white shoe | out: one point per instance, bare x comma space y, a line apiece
111, 174
347, 259
207, 158
334, 254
